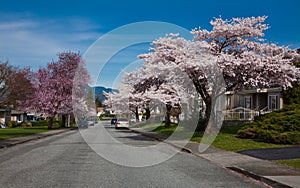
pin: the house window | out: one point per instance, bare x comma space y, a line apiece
248, 102
273, 102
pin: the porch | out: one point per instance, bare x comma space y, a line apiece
246, 104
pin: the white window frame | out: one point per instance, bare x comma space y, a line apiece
228, 100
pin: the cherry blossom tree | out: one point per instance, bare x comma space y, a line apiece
122, 101
152, 86
156, 84
54, 84
235, 50
90, 102
82, 107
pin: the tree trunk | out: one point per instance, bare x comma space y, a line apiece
50, 123
137, 114
167, 117
147, 113
207, 116
63, 120
203, 122
211, 120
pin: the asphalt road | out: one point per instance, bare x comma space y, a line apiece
66, 160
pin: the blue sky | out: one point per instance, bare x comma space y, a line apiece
32, 32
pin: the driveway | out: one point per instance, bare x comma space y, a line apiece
274, 153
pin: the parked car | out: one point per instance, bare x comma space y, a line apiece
122, 122
113, 121
82, 124
133, 120
3, 126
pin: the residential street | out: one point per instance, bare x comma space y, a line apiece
65, 160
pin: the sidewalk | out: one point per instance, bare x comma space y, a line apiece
271, 173
19, 140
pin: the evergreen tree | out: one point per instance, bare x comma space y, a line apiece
292, 95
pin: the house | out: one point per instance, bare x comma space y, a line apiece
32, 116
5, 114
245, 104
18, 116
100, 111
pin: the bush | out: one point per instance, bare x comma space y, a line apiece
56, 123
26, 124
12, 124
279, 127
291, 137
248, 133
40, 123
108, 115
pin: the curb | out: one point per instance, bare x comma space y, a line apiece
40, 136
268, 181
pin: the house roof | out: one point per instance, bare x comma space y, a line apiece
17, 112
100, 109
4, 108
263, 90
258, 90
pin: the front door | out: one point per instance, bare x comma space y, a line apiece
273, 102
248, 102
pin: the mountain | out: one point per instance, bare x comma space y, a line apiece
99, 92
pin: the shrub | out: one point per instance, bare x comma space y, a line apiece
291, 137
56, 123
40, 123
108, 115
26, 124
12, 124
280, 127
248, 133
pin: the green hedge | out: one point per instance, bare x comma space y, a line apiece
40, 123
280, 127
56, 123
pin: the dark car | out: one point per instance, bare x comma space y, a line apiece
92, 120
83, 124
113, 121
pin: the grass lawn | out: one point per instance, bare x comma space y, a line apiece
38, 127
20, 131
292, 162
226, 138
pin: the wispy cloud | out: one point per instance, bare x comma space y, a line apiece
27, 41
16, 25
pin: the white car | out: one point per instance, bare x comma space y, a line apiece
122, 122
3, 126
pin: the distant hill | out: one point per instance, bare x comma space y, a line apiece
99, 92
